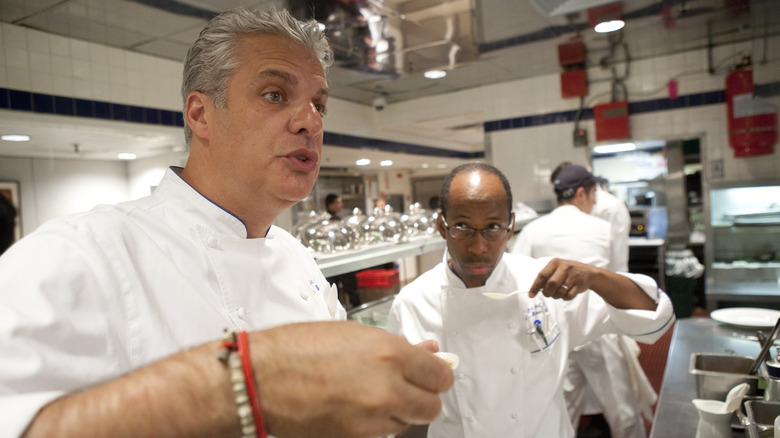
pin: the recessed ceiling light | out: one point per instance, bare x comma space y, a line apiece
386, 163
15, 137
363, 162
609, 26
126, 156
441, 166
435, 74
612, 148
425, 165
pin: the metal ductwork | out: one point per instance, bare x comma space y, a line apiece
395, 37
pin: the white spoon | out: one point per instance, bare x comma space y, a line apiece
734, 397
452, 359
497, 296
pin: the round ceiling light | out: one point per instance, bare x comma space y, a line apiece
609, 26
363, 162
15, 137
435, 74
126, 156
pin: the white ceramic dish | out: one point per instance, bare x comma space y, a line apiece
746, 317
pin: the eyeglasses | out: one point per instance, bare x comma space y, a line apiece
491, 233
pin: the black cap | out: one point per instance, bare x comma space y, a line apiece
572, 177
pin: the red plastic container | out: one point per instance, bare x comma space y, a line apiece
377, 278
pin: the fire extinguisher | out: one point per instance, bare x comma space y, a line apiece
752, 121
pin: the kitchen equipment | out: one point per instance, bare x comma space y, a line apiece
329, 236
715, 415
765, 348
419, 221
716, 374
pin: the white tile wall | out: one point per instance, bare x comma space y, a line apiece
45, 63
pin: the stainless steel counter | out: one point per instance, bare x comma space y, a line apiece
675, 415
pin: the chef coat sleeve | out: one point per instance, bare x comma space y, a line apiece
645, 326
54, 337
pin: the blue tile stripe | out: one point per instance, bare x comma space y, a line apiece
68, 106
647, 106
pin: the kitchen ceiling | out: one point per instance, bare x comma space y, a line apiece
383, 48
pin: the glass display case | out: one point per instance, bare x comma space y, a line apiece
743, 251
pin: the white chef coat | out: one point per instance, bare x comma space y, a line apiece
566, 232
607, 367
507, 383
93, 296
614, 211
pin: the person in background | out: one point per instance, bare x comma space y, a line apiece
614, 211
600, 373
7, 223
346, 283
111, 320
513, 343
333, 205
380, 204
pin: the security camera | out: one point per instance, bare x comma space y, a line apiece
379, 103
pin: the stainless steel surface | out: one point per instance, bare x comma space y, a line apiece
761, 416
717, 373
743, 294
675, 415
350, 261
765, 348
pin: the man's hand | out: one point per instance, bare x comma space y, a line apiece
565, 279
342, 379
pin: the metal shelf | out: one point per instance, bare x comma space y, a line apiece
356, 260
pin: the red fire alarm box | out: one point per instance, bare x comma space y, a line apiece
572, 53
574, 84
752, 120
611, 121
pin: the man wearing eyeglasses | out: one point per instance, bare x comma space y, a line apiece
512, 320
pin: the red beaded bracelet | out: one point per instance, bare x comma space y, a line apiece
235, 353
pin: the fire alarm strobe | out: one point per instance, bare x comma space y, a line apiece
611, 121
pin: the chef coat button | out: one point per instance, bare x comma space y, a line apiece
211, 241
454, 333
470, 418
511, 325
515, 416
513, 370
241, 312
305, 294
461, 376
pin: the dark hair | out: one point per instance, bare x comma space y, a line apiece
331, 198
7, 223
558, 169
444, 197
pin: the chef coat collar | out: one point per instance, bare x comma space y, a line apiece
202, 210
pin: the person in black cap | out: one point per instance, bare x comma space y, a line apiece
599, 375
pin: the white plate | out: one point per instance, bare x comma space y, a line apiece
747, 317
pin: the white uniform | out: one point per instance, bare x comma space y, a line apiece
614, 211
93, 296
607, 368
510, 379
